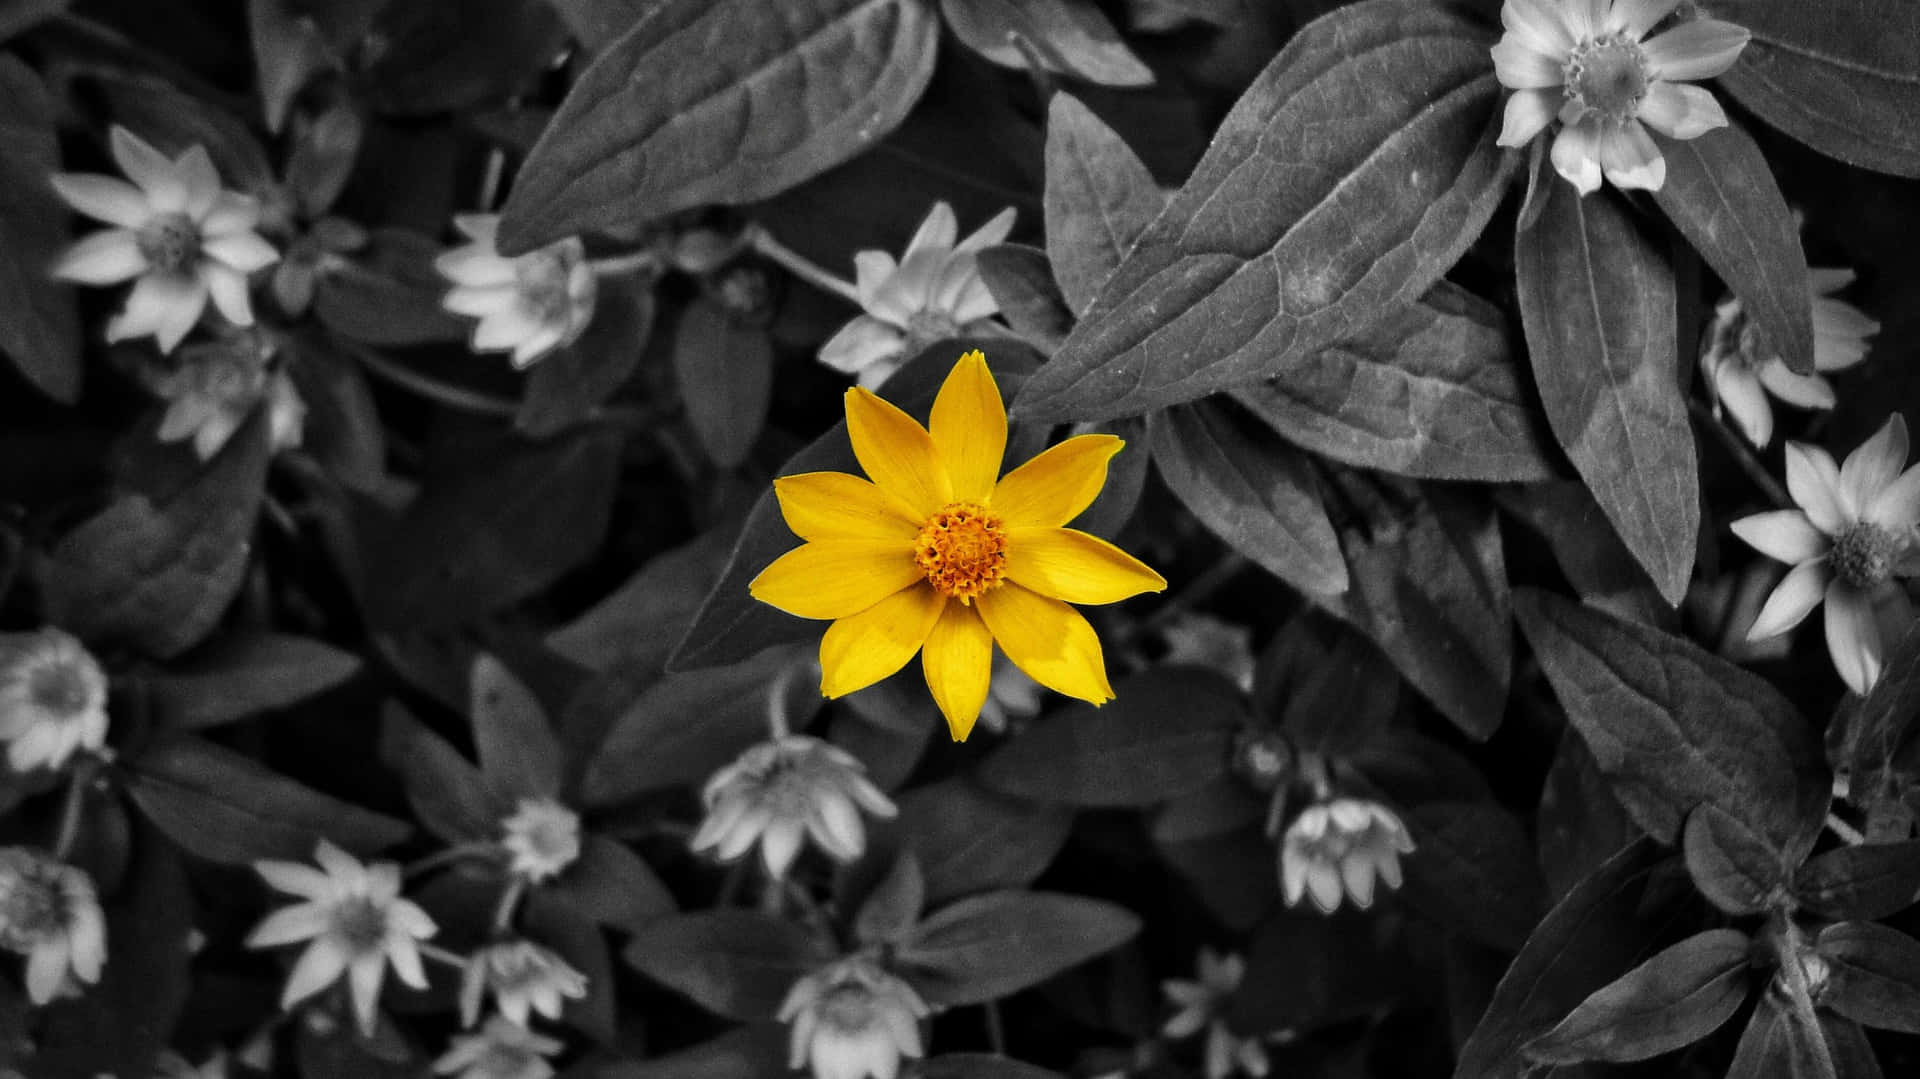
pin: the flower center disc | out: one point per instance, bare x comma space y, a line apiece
170, 243
848, 1009
542, 280
1608, 75
60, 689
963, 550
1863, 554
361, 925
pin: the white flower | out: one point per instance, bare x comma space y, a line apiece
53, 699
1585, 63
501, 1050
1337, 849
1844, 544
528, 305
852, 1020
1202, 1004
216, 387
542, 838
49, 914
934, 292
357, 923
523, 977
781, 791
176, 230
1740, 377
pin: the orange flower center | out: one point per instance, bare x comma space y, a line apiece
962, 549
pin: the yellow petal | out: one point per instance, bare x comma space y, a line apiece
1057, 485
897, 452
958, 661
836, 578
860, 650
969, 427
1047, 639
830, 505
1073, 566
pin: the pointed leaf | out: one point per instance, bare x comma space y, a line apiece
612, 886
727, 102
1168, 731
444, 789
968, 838
992, 945
1738, 871
893, 908
1071, 37
1674, 999
1874, 975
246, 676
1099, 197
1021, 279
1674, 727
570, 385
1348, 178
725, 371
519, 754
1868, 882
731, 962
39, 332
1597, 302
1432, 392
1721, 194
1472, 870
1251, 489
1846, 84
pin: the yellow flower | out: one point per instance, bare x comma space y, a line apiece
940, 554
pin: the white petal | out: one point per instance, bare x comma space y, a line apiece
503, 330
480, 228
861, 344
104, 198
1679, 110
936, 233
970, 300
231, 212
475, 267
406, 963
1814, 482
543, 340
1520, 66
1323, 884
1736, 389
1853, 637
202, 179
781, 844
1869, 469
104, 258
318, 967
1576, 156
1783, 535
1840, 333
1636, 17
481, 301
1803, 391
1293, 876
294, 878
839, 831
165, 188
46, 969
363, 985
1897, 506
1631, 160
993, 232
1793, 599
340, 866
1356, 873
871, 270
1539, 24
1528, 113
244, 251
288, 925
165, 306
228, 287
1699, 49
744, 834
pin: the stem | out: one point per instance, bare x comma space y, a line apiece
490, 179
447, 857
777, 725
1845, 831
435, 390
620, 264
442, 955
74, 806
1742, 455
996, 1031
1787, 945
799, 266
509, 902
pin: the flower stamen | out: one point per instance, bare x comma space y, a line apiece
1863, 554
1607, 75
963, 550
170, 242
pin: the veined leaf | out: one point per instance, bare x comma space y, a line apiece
1674, 999
247, 676
1597, 301
1099, 196
1433, 392
728, 102
731, 962
1070, 37
968, 839
1867, 882
988, 946
1348, 178
1739, 871
1875, 975
1846, 82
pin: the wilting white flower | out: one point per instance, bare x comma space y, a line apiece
852, 1020
1012, 694
934, 292
523, 978
1206, 641
172, 1065
217, 385
1590, 64
1845, 543
781, 791
357, 922
48, 913
500, 1050
1337, 849
542, 838
175, 229
1203, 1005
528, 305
53, 699
1740, 376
